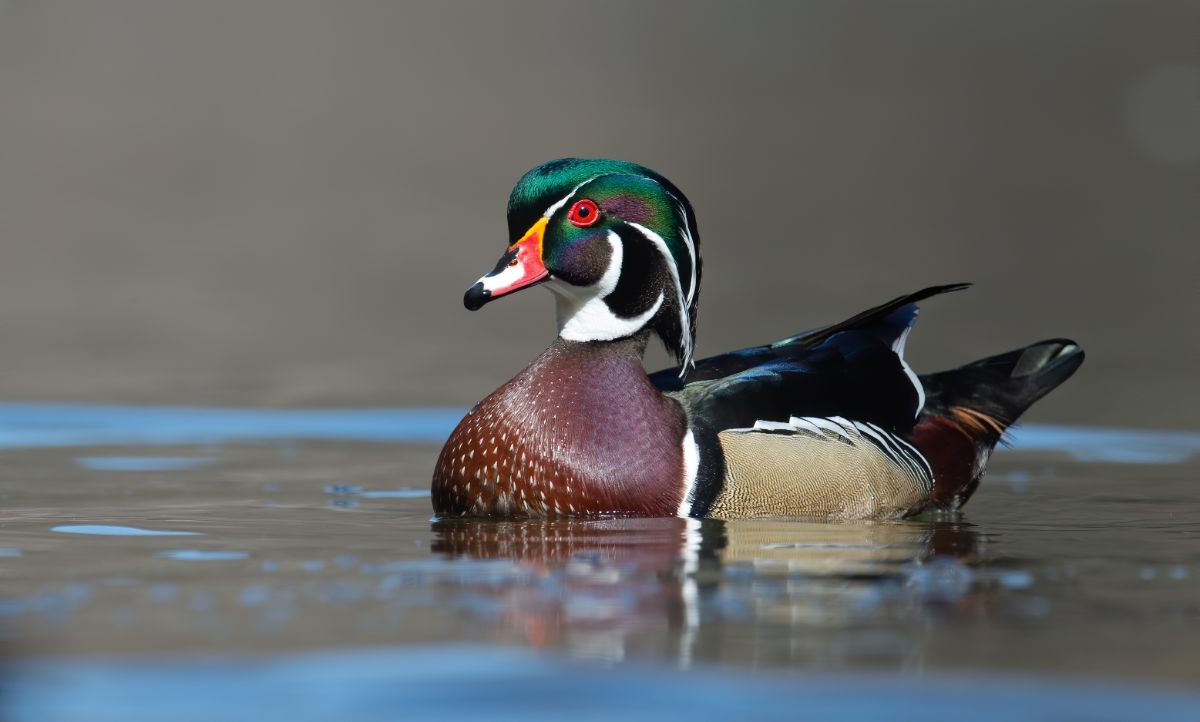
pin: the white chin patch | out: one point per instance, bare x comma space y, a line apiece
582, 313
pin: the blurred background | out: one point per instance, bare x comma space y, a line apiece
281, 203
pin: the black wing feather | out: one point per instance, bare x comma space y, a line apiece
848, 369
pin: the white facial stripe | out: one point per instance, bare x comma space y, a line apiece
563, 201
689, 242
898, 348
684, 321
572, 302
691, 246
582, 313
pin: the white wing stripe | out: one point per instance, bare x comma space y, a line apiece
879, 442
773, 426
804, 423
915, 453
827, 425
900, 452
895, 450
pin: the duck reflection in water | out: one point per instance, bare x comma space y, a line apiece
773, 590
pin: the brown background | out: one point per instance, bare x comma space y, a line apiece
281, 203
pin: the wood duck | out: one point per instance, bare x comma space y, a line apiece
828, 423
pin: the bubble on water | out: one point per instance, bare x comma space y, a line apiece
1147, 573
1178, 572
9, 552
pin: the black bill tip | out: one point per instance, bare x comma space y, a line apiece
476, 296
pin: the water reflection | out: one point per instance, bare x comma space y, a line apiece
845, 549
605, 588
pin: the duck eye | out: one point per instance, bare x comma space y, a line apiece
584, 213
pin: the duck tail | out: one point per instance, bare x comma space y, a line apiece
968, 409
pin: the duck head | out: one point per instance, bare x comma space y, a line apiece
615, 242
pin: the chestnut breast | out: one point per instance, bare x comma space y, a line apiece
580, 431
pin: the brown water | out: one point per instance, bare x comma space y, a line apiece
1059, 566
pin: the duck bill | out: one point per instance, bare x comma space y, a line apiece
520, 267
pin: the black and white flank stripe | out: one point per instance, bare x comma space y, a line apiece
837, 428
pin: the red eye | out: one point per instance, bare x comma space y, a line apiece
584, 213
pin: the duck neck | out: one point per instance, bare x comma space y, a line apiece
625, 353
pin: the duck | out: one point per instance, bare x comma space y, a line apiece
830, 423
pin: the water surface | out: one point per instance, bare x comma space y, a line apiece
1078, 563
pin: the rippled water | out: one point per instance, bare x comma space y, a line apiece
134, 538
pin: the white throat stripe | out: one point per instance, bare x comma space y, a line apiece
582, 313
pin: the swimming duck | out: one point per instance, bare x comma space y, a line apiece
828, 423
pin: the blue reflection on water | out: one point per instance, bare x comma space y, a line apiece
395, 494
1123, 446
110, 530
472, 683
143, 463
200, 555
24, 425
